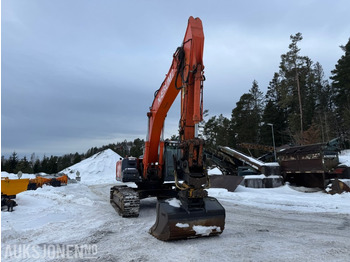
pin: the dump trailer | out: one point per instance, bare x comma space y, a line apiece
11, 187
184, 209
311, 165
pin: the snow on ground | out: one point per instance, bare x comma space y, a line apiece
77, 223
285, 198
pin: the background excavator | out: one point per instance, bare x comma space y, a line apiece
184, 209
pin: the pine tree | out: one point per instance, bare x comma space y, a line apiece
52, 165
245, 121
23, 166
258, 97
13, 161
341, 87
37, 166
3, 163
323, 117
64, 162
274, 113
77, 158
297, 89
210, 131
257, 110
218, 131
224, 137
45, 165
290, 68
137, 149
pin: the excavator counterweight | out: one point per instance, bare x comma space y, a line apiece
184, 209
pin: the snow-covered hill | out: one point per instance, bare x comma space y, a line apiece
99, 168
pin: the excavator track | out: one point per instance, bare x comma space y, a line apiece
125, 201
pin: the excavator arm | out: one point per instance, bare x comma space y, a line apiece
185, 74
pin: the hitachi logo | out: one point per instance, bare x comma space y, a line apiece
165, 86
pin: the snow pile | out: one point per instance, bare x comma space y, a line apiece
99, 168
206, 230
174, 202
14, 176
200, 230
261, 176
182, 225
344, 157
214, 171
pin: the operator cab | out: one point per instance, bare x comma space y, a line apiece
171, 150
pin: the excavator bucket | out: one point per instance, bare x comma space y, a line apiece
174, 222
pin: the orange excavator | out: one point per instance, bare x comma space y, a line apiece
184, 209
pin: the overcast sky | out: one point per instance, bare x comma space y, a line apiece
78, 74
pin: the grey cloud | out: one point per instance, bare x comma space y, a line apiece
79, 73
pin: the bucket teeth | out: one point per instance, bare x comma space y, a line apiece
174, 223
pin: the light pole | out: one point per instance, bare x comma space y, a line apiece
273, 141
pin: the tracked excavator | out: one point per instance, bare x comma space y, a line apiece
174, 171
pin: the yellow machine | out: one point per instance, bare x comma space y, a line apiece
39, 181
11, 187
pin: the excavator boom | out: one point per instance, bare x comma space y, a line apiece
185, 74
